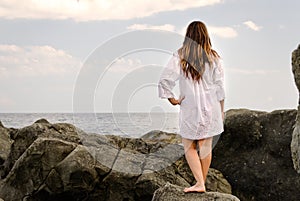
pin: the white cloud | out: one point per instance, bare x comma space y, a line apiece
35, 61
84, 10
223, 32
123, 65
250, 24
165, 27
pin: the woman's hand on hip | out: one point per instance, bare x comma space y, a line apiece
174, 101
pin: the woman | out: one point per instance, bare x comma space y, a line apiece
201, 82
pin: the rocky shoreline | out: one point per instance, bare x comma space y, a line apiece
45, 161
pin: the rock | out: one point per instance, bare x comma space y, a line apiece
149, 181
32, 168
254, 155
295, 144
5, 143
161, 136
42, 121
60, 162
215, 180
296, 66
24, 137
171, 192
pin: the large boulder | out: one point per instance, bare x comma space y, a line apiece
23, 138
254, 155
171, 192
295, 144
5, 143
215, 180
60, 162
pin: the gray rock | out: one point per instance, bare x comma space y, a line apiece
32, 168
295, 144
42, 121
149, 181
162, 136
254, 155
24, 137
215, 180
5, 143
60, 162
296, 66
171, 192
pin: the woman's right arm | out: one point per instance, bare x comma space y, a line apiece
222, 109
167, 80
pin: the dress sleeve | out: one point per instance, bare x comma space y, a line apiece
218, 79
168, 78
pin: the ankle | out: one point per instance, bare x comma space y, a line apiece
200, 184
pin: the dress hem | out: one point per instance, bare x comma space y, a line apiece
201, 138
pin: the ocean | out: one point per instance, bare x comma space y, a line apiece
123, 124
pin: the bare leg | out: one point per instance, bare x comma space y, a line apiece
192, 158
205, 148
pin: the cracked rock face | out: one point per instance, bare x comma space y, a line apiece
60, 162
295, 144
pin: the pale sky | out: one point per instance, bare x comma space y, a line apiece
107, 55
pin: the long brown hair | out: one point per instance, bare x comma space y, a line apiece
196, 51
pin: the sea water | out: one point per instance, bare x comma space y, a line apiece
123, 124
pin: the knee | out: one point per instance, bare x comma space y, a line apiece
206, 155
205, 152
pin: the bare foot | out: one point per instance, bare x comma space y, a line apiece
195, 188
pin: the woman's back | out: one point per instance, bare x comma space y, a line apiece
201, 81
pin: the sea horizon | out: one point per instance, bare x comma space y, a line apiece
133, 124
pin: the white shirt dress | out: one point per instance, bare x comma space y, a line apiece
200, 114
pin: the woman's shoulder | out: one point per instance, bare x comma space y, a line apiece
176, 54
218, 62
